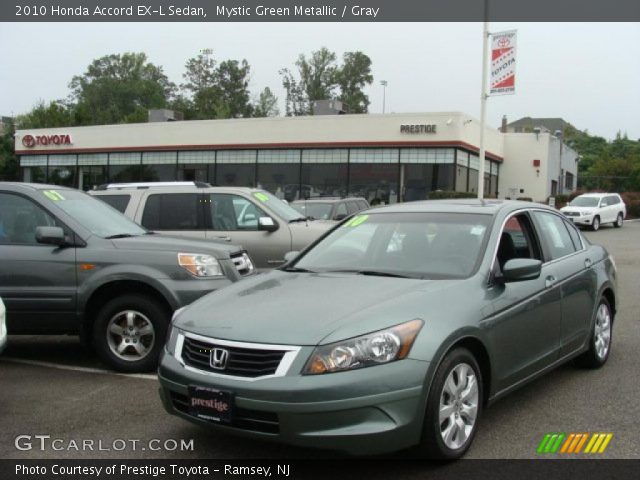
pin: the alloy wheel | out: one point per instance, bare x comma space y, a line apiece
130, 335
619, 220
602, 333
458, 406
596, 223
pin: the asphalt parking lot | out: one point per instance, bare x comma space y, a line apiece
52, 386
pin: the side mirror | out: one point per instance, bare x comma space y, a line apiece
267, 224
50, 235
340, 216
521, 269
290, 256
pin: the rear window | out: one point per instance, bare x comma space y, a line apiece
119, 202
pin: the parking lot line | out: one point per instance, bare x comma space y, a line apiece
36, 363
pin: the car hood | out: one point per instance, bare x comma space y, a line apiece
168, 243
307, 308
303, 233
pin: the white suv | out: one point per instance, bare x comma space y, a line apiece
594, 209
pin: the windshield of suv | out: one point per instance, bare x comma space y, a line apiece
413, 245
585, 202
94, 215
283, 210
313, 210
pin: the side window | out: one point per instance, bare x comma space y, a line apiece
517, 240
575, 235
604, 202
19, 218
233, 213
119, 202
353, 207
341, 209
555, 235
173, 211
613, 200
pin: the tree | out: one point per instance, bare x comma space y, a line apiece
119, 89
217, 91
9, 169
352, 77
56, 114
319, 78
267, 104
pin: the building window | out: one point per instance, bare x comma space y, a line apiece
124, 167
62, 170
378, 183
569, 181
462, 171
324, 172
34, 168
197, 166
424, 155
279, 172
374, 155
236, 168
159, 166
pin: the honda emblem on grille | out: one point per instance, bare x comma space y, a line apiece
219, 358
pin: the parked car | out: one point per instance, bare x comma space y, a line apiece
394, 330
70, 264
330, 208
3, 327
594, 209
259, 221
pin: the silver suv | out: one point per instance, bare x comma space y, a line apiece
262, 223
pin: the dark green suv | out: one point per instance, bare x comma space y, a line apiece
71, 264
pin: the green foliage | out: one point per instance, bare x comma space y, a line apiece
56, 114
9, 169
267, 104
119, 89
320, 78
442, 194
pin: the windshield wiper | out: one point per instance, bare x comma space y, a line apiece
120, 235
376, 273
300, 219
297, 269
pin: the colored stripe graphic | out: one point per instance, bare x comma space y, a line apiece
573, 443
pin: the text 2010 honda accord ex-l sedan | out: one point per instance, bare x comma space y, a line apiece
395, 329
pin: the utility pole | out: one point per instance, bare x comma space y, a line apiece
384, 84
483, 98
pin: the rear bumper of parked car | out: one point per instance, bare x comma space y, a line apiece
367, 411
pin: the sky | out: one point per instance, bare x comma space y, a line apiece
586, 73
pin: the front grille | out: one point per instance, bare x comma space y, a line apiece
572, 214
243, 263
242, 362
245, 419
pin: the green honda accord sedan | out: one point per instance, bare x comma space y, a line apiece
395, 329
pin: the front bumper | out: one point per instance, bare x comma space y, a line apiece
368, 411
582, 219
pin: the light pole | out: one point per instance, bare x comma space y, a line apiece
384, 84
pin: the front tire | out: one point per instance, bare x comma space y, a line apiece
129, 332
595, 226
600, 340
619, 221
454, 407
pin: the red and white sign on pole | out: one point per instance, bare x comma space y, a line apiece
503, 63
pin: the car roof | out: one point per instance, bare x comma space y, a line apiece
596, 195
168, 188
328, 199
34, 186
487, 207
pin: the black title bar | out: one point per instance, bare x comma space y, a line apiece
318, 10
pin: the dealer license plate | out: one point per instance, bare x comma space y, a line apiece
211, 404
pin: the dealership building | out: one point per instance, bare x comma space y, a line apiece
384, 158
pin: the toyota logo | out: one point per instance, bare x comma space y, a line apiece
219, 358
504, 42
29, 141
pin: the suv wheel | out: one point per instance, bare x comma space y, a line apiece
619, 221
129, 332
453, 407
600, 343
595, 226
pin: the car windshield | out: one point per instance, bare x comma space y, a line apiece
280, 208
314, 210
94, 215
585, 202
414, 245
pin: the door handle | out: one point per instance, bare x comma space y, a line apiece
226, 239
587, 262
550, 281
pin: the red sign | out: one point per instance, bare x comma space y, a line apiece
30, 141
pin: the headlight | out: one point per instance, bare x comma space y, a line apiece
172, 339
199, 264
375, 348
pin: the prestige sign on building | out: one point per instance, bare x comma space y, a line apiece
503, 63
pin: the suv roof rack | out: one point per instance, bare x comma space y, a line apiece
142, 185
